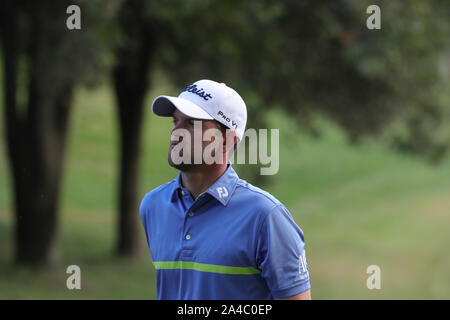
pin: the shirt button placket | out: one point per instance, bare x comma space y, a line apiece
187, 235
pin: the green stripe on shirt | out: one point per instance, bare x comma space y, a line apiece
192, 265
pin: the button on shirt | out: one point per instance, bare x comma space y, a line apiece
235, 241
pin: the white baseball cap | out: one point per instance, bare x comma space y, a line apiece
207, 100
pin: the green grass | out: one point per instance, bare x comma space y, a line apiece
356, 205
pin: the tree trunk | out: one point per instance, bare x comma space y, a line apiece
35, 132
131, 123
131, 83
37, 176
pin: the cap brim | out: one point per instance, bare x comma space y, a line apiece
164, 106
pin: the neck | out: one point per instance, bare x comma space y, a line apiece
199, 180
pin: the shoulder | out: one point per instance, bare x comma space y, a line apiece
259, 199
267, 208
160, 193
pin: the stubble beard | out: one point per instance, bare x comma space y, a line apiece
185, 167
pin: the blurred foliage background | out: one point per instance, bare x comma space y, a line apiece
364, 135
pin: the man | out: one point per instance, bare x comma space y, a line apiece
212, 235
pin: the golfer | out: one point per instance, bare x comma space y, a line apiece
211, 234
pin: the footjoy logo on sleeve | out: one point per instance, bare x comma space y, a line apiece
200, 92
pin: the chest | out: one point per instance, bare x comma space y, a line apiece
212, 234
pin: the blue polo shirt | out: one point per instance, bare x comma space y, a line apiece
235, 241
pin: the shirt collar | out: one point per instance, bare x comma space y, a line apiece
222, 189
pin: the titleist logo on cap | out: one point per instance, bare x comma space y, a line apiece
200, 92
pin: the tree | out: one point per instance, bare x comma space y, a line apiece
42, 61
131, 80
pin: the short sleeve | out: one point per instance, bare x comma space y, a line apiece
281, 254
143, 215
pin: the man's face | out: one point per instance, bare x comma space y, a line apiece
187, 145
